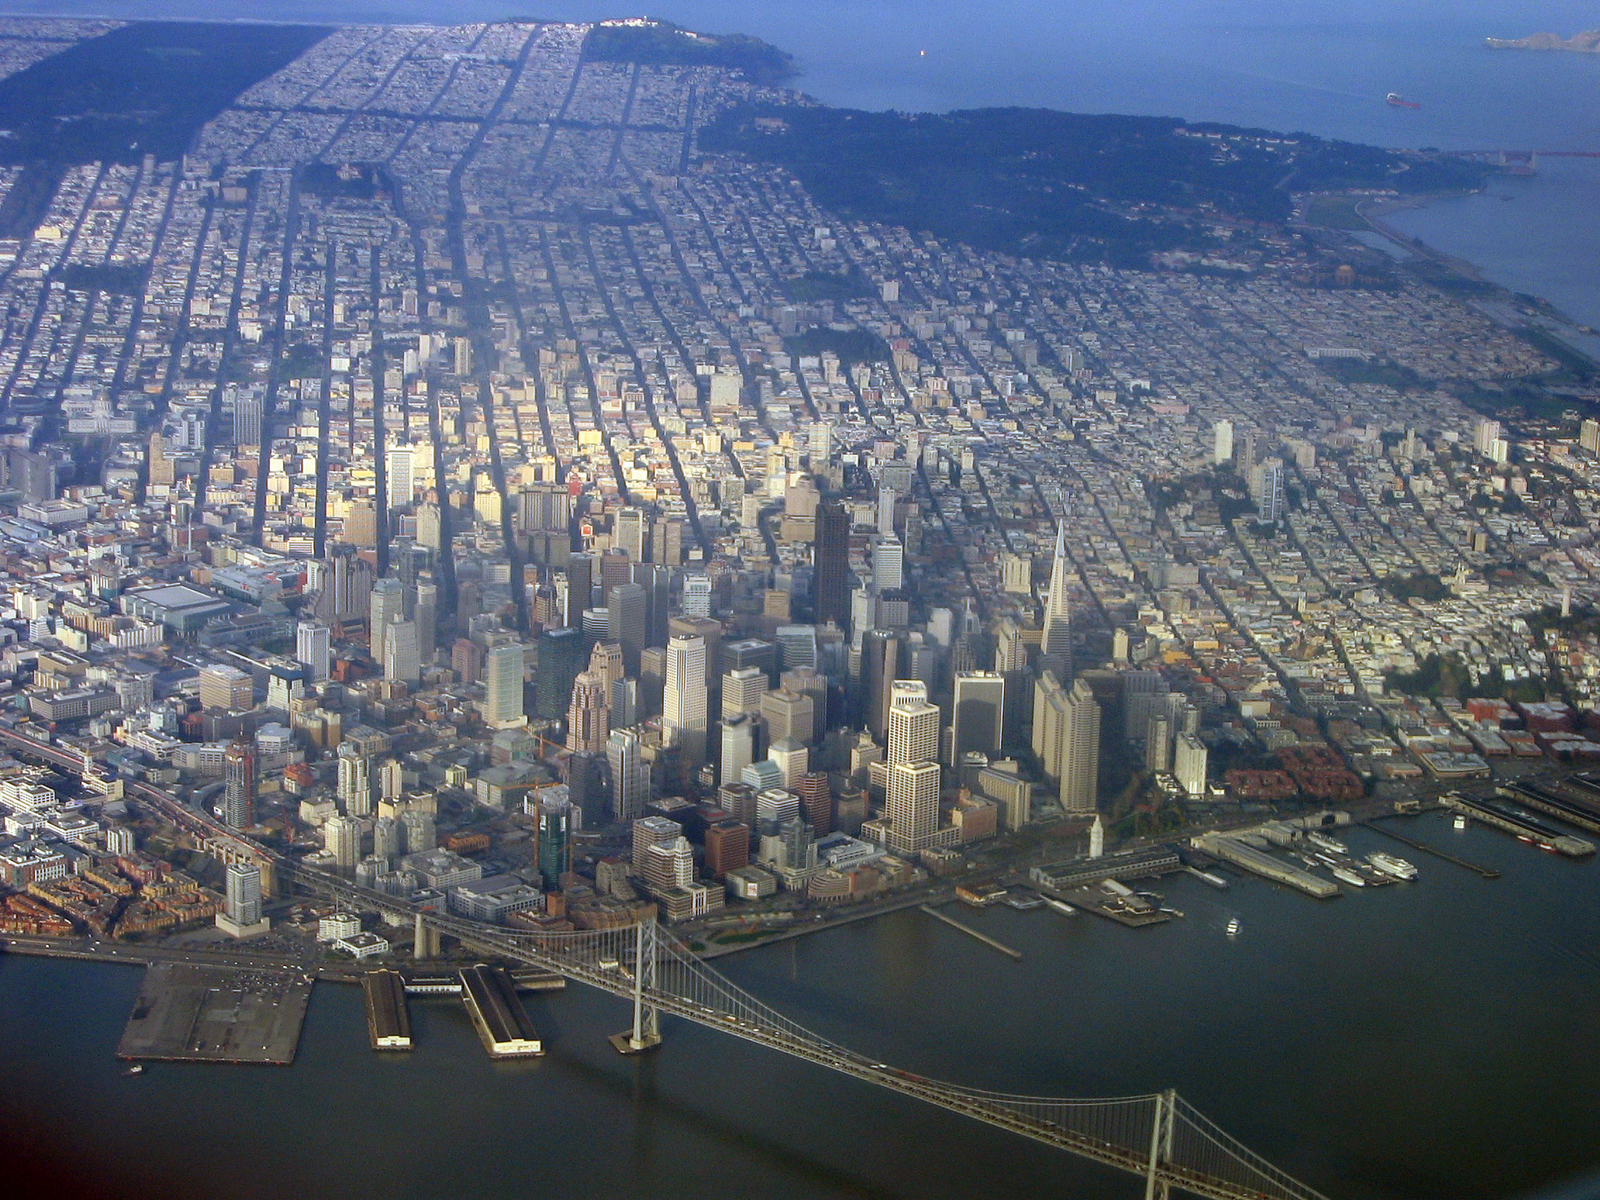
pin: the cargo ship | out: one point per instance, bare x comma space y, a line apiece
1396, 100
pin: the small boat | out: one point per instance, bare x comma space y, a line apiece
1461, 821
1061, 906
135, 1069
1396, 100
1233, 927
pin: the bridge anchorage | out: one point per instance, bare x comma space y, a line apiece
1159, 1137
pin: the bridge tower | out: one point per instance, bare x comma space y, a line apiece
646, 1031
1155, 1186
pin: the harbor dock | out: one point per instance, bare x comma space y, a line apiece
1522, 827
502, 1024
187, 1012
388, 1019
1259, 862
971, 932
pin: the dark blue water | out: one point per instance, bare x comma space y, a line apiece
1423, 1040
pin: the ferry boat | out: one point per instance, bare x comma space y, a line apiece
1323, 842
1061, 906
1346, 875
1233, 927
135, 1069
1460, 821
1390, 865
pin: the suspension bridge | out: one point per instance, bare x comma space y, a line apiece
1159, 1137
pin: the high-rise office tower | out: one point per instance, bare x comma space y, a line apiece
556, 826
816, 801
615, 570
912, 805
246, 419
793, 760
1056, 640
386, 605
560, 660
886, 500
656, 580
742, 689
402, 654
239, 794
666, 541
589, 714
1269, 498
628, 533
978, 714
751, 652
355, 782
466, 660
880, 667
798, 645
684, 700
630, 775
502, 703
226, 688
1189, 765
913, 724
652, 831
313, 646
342, 838
830, 595
397, 476
242, 901
425, 613
738, 736
627, 617
888, 563
708, 631
697, 596
789, 714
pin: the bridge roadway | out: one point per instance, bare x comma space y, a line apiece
1209, 1163
1002, 1111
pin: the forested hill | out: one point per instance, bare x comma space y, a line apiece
1062, 185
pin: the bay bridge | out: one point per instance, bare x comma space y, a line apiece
1158, 1137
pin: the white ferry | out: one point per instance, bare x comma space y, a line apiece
1346, 875
1233, 927
1390, 865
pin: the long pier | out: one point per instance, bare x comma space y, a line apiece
971, 932
1486, 872
388, 1019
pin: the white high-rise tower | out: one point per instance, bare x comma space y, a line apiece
1056, 639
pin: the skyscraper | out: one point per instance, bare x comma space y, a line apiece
1056, 640
630, 775
342, 839
978, 714
629, 533
239, 795
386, 604
555, 839
1269, 497
742, 688
1222, 447
241, 912
397, 476
313, 646
246, 419
355, 782
738, 735
913, 724
502, 703
888, 563
560, 660
912, 805
684, 700
627, 617
789, 714
831, 578
589, 714
402, 653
